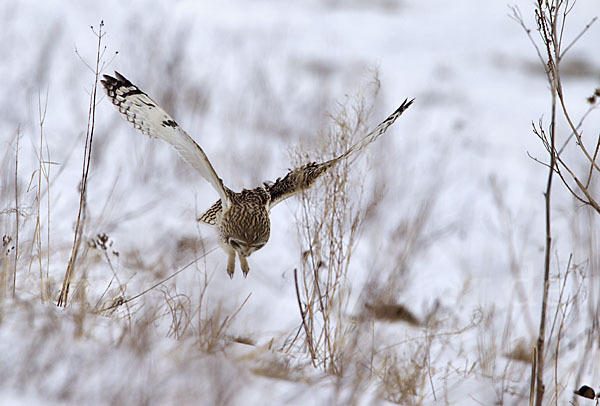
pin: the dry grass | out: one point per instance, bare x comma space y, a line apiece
329, 225
552, 47
87, 156
367, 342
54, 336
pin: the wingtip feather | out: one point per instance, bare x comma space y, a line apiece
405, 104
121, 77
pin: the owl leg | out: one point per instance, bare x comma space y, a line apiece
230, 258
244, 265
231, 263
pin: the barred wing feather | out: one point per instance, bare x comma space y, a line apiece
303, 177
150, 119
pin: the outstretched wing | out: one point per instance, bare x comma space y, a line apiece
303, 177
148, 117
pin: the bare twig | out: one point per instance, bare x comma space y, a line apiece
551, 18
581, 120
532, 381
587, 27
14, 281
546, 32
122, 300
87, 155
37, 234
303, 316
329, 225
561, 324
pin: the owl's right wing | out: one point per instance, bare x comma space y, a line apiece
303, 177
150, 119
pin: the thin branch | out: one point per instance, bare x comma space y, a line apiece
552, 80
589, 179
518, 17
37, 235
14, 284
569, 188
303, 315
573, 127
123, 301
587, 27
537, 160
570, 137
62, 300
590, 200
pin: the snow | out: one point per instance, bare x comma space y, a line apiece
249, 80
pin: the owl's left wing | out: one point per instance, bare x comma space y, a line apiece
303, 177
150, 119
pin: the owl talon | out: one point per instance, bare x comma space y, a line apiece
244, 265
231, 264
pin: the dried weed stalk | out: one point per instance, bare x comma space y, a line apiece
14, 281
328, 225
87, 155
551, 16
42, 172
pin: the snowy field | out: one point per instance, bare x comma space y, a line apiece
449, 208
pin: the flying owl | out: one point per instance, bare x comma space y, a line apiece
241, 219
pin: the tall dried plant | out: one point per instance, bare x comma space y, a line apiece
87, 156
550, 18
328, 225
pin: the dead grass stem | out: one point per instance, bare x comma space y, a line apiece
87, 155
551, 17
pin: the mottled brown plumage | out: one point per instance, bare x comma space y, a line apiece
241, 219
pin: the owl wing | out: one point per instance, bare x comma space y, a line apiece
150, 119
303, 177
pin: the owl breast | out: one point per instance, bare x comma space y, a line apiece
247, 219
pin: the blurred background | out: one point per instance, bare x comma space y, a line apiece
452, 201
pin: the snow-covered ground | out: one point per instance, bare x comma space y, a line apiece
454, 230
